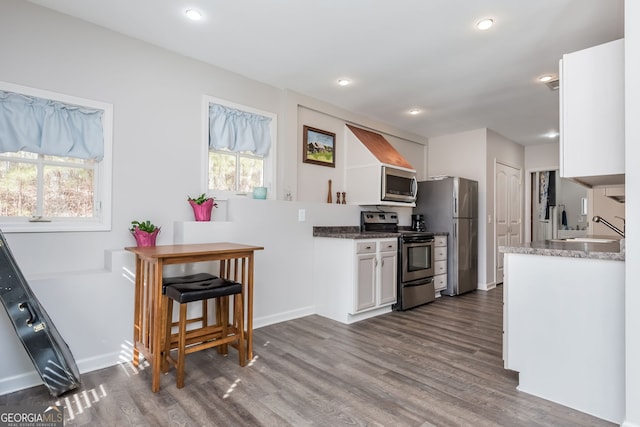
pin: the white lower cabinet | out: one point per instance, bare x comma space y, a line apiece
365, 289
388, 254
354, 279
440, 264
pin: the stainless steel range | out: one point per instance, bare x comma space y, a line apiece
415, 258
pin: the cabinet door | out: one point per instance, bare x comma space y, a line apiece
592, 111
388, 277
366, 286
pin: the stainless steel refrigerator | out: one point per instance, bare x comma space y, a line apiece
451, 204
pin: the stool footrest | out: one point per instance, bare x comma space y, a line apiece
208, 333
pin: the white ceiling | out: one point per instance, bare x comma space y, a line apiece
400, 54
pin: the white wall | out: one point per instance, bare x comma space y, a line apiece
607, 208
283, 282
93, 312
157, 99
312, 180
93, 309
632, 150
462, 154
570, 194
473, 155
542, 157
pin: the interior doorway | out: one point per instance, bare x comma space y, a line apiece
558, 207
508, 212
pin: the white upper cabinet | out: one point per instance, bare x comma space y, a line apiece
592, 114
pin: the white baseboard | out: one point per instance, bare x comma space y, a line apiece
486, 286
32, 378
19, 382
259, 322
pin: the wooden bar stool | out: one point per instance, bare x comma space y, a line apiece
207, 336
194, 279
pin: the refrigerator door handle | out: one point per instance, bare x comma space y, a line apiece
455, 206
455, 230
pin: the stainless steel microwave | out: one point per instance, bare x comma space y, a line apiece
398, 185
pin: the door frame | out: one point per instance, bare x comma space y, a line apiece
495, 206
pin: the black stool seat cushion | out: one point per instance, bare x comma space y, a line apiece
198, 291
190, 278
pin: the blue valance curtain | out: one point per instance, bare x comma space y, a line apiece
238, 130
49, 127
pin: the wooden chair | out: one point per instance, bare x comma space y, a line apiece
207, 336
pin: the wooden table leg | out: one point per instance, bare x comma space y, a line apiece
156, 325
250, 309
137, 311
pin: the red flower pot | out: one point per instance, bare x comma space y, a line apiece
202, 212
144, 238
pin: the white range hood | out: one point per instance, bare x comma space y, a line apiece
371, 160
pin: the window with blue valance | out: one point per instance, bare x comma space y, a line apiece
238, 131
48, 127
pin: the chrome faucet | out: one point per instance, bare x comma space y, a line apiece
608, 224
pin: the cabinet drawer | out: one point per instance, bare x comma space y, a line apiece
390, 246
440, 241
366, 247
440, 267
440, 253
440, 282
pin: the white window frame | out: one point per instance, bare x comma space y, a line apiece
102, 178
269, 161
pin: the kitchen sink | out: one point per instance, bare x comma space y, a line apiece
585, 240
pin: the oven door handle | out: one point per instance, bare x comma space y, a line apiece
420, 283
414, 241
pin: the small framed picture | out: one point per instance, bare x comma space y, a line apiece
318, 147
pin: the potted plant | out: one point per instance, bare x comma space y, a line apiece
202, 206
145, 232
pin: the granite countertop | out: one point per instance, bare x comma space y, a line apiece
613, 251
353, 232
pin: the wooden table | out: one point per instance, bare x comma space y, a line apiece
236, 263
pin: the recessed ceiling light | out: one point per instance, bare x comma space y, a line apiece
552, 134
414, 111
545, 78
484, 24
344, 82
193, 14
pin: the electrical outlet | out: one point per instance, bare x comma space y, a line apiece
302, 215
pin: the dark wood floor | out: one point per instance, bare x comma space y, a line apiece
436, 365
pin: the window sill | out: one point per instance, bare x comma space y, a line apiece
51, 227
